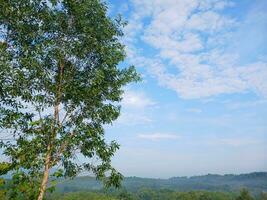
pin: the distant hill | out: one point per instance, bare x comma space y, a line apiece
255, 182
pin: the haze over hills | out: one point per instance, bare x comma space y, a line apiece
256, 182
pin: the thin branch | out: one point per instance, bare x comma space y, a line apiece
62, 148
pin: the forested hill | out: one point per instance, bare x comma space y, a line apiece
255, 182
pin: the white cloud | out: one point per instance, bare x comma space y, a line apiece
208, 22
196, 38
255, 75
214, 4
135, 108
136, 99
158, 136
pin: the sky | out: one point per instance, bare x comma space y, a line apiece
202, 104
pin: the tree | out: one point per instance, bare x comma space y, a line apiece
244, 195
59, 85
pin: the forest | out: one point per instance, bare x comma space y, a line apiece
252, 186
148, 194
209, 187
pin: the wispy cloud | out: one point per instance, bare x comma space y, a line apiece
136, 99
135, 108
195, 38
159, 136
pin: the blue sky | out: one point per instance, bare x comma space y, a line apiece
202, 105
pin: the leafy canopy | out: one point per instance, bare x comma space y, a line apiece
59, 85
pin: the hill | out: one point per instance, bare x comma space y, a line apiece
256, 182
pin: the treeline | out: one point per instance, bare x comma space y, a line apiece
149, 194
6, 193
255, 182
208, 187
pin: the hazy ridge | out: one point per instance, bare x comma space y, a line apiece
255, 182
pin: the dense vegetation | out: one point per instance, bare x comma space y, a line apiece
256, 182
209, 187
148, 194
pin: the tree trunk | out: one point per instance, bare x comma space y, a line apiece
46, 174
54, 134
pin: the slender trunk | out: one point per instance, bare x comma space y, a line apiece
46, 173
48, 159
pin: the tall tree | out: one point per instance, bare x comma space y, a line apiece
59, 85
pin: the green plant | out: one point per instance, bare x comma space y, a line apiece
59, 84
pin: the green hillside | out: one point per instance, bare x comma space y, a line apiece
149, 194
256, 182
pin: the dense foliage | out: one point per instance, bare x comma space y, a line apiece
153, 194
256, 182
148, 194
59, 85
